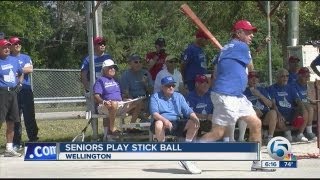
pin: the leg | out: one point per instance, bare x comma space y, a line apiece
242, 129
159, 130
112, 115
309, 134
215, 133
17, 125
136, 111
29, 115
254, 124
270, 120
191, 129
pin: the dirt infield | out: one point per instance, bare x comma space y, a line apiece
17, 168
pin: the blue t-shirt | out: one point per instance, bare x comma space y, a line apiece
172, 109
24, 61
292, 77
200, 104
108, 88
195, 60
285, 98
302, 91
231, 76
256, 102
9, 69
133, 82
98, 60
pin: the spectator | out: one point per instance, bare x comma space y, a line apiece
227, 92
194, 60
172, 116
25, 96
107, 96
99, 56
156, 59
293, 69
314, 64
261, 101
308, 109
136, 82
286, 102
170, 70
11, 77
200, 102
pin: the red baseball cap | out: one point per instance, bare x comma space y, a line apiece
14, 40
201, 34
293, 59
201, 78
98, 40
303, 70
4, 42
244, 24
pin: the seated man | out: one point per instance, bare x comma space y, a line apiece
107, 96
136, 82
262, 103
170, 69
286, 102
307, 107
172, 116
200, 102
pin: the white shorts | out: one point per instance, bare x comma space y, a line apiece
228, 109
102, 109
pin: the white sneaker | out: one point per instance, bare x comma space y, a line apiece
256, 166
301, 138
289, 137
190, 167
311, 136
11, 153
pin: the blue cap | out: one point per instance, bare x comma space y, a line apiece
134, 57
167, 80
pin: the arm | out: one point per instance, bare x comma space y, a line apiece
85, 80
313, 65
264, 99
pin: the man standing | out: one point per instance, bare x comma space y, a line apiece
194, 60
10, 82
25, 96
227, 92
156, 59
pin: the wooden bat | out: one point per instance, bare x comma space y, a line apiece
194, 18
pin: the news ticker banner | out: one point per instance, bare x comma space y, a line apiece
90, 151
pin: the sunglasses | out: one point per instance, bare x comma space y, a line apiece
137, 62
170, 85
172, 62
16, 44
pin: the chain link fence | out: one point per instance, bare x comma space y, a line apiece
57, 90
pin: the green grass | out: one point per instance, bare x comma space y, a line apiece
62, 130
55, 130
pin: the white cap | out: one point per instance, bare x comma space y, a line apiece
108, 63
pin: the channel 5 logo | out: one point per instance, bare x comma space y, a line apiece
278, 148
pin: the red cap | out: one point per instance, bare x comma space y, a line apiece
201, 34
98, 40
298, 122
293, 59
245, 25
253, 74
14, 40
4, 42
303, 70
200, 78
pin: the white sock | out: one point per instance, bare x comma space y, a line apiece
226, 139
287, 133
242, 129
188, 140
9, 146
309, 129
105, 131
231, 132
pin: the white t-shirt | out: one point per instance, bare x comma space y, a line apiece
163, 73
